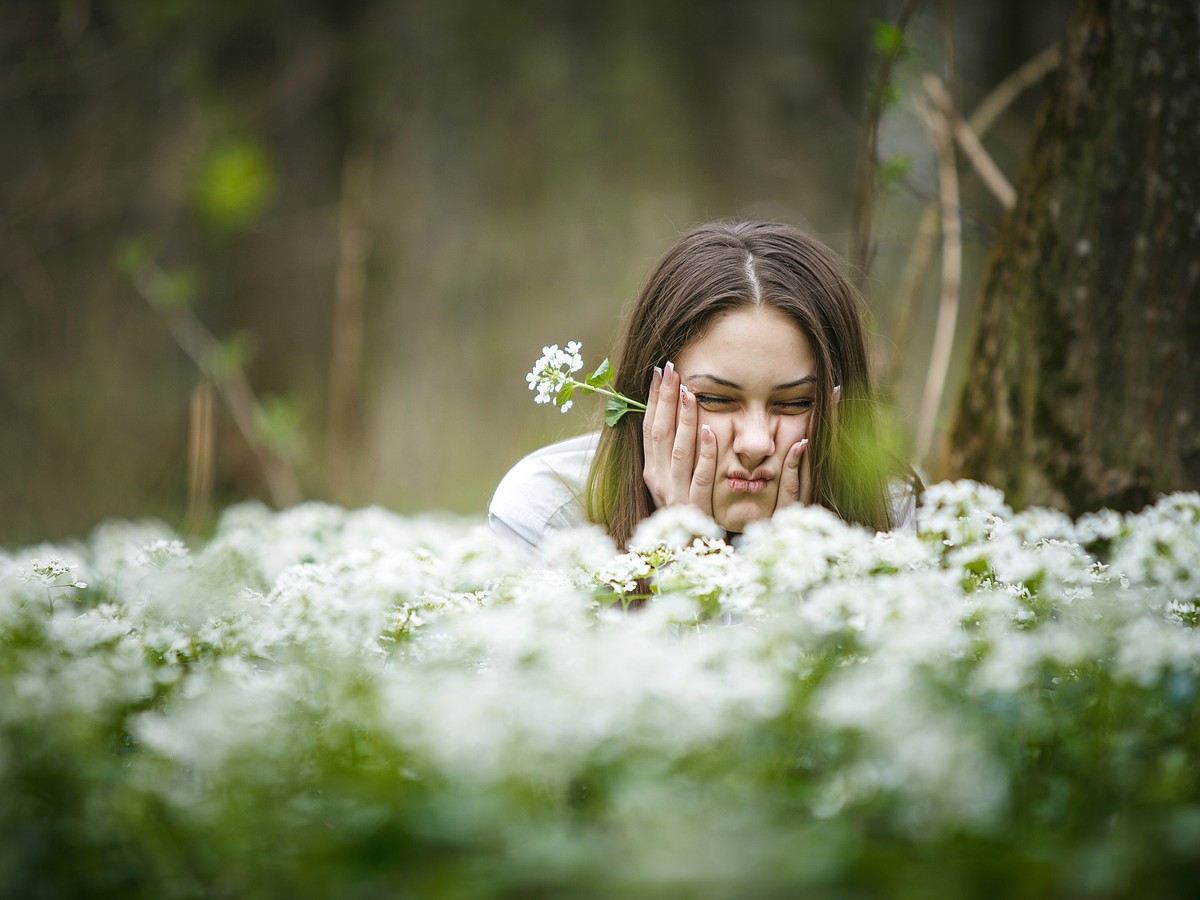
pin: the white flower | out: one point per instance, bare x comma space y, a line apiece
891, 679
158, 552
50, 571
961, 513
674, 526
586, 546
553, 371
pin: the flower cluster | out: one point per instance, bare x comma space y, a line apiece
52, 572
504, 724
551, 377
552, 372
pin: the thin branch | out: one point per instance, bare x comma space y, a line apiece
969, 143
350, 286
947, 317
1001, 97
913, 278
200, 346
980, 121
200, 456
864, 194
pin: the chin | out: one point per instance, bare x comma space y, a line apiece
741, 511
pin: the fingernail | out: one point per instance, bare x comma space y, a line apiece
706, 434
670, 366
803, 443
656, 378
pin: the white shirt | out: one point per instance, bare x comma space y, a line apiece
545, 492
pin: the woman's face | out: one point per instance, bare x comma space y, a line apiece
754, 377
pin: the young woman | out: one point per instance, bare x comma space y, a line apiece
747, 343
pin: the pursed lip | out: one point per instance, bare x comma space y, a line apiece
741, 482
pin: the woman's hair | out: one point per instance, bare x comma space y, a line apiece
715, 269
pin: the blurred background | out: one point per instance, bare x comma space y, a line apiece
308, 250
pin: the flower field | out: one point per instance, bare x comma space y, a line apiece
332, 703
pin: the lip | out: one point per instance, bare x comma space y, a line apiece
749, 483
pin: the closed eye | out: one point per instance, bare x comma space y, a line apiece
711, 402
791, 407
796, 405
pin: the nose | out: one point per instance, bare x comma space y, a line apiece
754, 438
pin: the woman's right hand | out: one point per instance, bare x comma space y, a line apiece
679, 469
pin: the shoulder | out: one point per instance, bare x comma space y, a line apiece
543, 491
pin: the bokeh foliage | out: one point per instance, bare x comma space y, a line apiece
527, 162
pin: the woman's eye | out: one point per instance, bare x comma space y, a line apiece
797, 405
710, 401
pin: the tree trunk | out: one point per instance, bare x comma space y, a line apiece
1084, 389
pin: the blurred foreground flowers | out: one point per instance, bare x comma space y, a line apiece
329, 703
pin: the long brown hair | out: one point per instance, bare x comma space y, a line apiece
713, 270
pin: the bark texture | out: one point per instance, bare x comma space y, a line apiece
1084, 386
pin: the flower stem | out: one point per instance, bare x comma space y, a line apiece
598, 390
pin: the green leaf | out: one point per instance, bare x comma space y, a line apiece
176, 289
614, 409
602, 376
883, 95
237, 180
280, 423
888, 39
133, 255
564, 394
893, 169
231, 355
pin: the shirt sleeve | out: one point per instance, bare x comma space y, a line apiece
543, 491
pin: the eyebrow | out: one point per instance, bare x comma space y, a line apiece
725, 382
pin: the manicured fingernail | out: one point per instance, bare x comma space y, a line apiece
670, 366
683, 396
656, 378
706, 434
803, 443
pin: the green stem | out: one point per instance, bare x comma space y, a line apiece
598, 390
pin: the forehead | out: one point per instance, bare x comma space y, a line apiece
750, 345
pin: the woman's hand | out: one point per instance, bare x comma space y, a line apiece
795, 481
673, 473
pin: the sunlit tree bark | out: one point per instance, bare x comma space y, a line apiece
1084, 385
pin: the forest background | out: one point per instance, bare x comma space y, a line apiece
309, 249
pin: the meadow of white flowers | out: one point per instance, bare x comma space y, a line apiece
321, 702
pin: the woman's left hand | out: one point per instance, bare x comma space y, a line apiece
795, 482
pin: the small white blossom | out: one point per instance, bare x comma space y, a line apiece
52, 572
553, 370
675, 527
158, 553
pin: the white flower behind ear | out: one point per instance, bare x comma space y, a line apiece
676, 527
